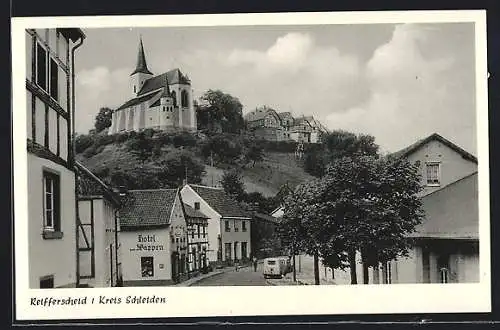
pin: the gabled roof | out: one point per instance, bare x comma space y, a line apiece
137, 100
221, 202
433, 137
147, 208
171, 77
88, 184
452, 211
259, 114
193, 213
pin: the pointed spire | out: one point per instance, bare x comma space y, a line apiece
141, 60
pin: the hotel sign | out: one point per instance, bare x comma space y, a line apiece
147, 243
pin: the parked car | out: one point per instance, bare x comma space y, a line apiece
276, 267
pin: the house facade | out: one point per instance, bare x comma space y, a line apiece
197, 236
50, 56
267, 124
153, 238
98, 262
229, 237
446, 243
163, 102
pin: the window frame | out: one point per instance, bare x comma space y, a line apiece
243, 226
427, 165
37, 66
227, 226
55, 198
144, 258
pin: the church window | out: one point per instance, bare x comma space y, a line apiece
163, 109
174, 97
134, 89
184, 99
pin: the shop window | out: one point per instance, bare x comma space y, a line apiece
227, 228
244, 250
147, 269
51, 202
227, 250
47, 282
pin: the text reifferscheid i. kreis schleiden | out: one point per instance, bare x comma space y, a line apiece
97, 300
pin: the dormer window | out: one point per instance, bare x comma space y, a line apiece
433, 174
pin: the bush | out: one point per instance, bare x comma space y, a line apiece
90, 151
82, 142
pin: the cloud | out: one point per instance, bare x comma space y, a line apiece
96, 88
294, 73
413, 95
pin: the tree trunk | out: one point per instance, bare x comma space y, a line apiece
294, 268
333, 273
316, 269
366, 277
352, 265
376, 274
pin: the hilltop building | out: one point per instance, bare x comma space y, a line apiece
268, 124
51, 202
163, 102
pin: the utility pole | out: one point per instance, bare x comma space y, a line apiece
294, 268
212, 166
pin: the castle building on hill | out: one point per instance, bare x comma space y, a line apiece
268, 124
163, 102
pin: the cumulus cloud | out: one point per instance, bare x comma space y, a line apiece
293, 74
413, 95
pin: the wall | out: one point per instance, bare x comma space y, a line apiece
51, 256
453, 166
131, 257
213, 228
235, 236
104, 237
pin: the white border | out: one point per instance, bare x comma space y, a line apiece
247, 301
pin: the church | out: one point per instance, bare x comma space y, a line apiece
163, 102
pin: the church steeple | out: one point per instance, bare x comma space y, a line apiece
141, 66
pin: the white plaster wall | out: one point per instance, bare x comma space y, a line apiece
213, 228
51, 256
233, 236
453, 166
131, 260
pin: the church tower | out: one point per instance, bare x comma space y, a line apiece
141, 72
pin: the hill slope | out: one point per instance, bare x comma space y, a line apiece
266, 176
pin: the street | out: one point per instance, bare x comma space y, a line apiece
244, 277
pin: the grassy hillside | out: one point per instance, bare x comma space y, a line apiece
266, 176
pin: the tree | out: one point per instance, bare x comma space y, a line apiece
220, 110
376, 205
363, 204
335, 145
141, 146
233, 184
103, 119
254, 154
180, 165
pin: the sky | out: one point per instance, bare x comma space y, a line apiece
399, 83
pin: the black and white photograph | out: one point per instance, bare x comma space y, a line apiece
166, 160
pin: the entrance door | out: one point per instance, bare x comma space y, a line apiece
175, 266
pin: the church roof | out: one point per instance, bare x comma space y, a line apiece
174, 76
141, 61
137, 100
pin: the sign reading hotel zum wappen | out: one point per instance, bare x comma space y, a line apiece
147, 243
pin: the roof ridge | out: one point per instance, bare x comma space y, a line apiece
158, 189
202, 186
451, 184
